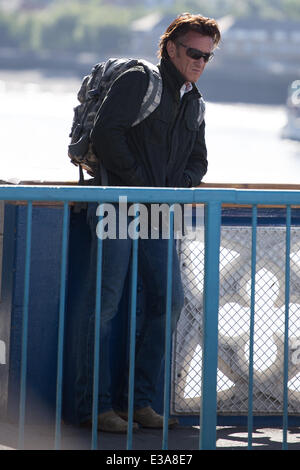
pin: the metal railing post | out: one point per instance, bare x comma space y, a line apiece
23, 378
208, 410
286, 329
97, 344
252, 319
132, 344
168, 339
60, 348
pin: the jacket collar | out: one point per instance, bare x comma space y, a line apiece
173, 77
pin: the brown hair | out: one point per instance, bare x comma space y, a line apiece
187, 22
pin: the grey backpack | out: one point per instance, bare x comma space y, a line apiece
93, 90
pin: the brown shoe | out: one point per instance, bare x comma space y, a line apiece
148, 418
111, 422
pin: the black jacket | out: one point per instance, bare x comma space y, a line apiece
161, 149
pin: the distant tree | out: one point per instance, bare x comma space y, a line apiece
7, 38
102, 26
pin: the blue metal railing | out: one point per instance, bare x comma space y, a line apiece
213, 200
252, 321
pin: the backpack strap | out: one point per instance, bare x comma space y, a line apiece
153, 94
81, 176
202, 108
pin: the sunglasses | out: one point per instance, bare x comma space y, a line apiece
196, 54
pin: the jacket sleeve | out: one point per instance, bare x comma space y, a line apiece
116, 115
197, 163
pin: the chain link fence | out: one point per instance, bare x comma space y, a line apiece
234, 322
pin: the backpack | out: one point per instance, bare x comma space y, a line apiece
93, 90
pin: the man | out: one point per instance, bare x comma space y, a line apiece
167, 149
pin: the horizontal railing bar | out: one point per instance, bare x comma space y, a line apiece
273, 186
149, 195
59, 204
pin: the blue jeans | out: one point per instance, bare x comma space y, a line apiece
116, 256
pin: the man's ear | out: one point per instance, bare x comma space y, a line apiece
171, 48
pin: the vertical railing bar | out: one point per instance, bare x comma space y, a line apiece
251, 334
132, 343
97, 337
167, 372
23, 377
63, 275
208, 409
286, 326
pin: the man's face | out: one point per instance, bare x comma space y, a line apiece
190, 68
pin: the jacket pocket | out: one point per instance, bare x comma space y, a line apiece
158, 127
159, 131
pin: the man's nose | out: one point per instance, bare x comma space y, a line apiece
201, 61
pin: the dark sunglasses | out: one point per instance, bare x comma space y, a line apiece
196, 54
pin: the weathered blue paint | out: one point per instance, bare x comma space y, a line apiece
44, 293
143, 195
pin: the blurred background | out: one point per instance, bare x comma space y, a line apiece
47, 46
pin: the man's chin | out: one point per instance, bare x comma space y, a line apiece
194, 77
